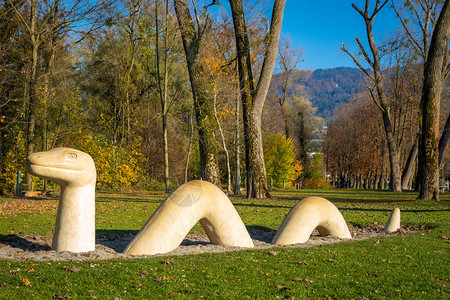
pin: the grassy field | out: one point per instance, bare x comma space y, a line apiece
415, 266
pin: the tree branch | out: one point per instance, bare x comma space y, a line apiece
366, 56
411, 38
377, 103
355, 60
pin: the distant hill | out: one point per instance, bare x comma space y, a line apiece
327, 88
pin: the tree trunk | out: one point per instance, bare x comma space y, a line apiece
237, 153
409, 167
224, 145
284, 113
443, 140
188, 155
253, 99
163, 93
202, 104
32, 86
433, 83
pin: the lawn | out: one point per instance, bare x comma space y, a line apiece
405, 266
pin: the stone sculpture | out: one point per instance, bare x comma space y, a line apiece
393, 223
307, 215
192, 202
74, 171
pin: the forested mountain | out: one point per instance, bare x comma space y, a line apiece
327, 88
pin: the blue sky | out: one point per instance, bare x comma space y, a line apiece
320, 27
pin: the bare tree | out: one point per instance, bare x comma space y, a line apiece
288, 75
192, 34
433, 83
253, 98
163, 84
378, 96
418, 19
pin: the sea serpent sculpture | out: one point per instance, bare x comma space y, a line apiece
307, 215
74, 171
192, 202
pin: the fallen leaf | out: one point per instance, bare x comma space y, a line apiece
25, 281
31, 270
333, 260
162, 278
168, 261
283, 288
309, 280
73, 269
94, 265
65, 296
408, 256
438, 252
274, 253
297, 279
143, 274
302, 263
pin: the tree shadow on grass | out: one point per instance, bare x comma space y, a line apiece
349, 200
261, 205
389, 210
16, 241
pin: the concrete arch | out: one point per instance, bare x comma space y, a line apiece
307, 215
192, 202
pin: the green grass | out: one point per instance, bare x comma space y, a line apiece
415, 266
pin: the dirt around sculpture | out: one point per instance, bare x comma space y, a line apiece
192, 202
307, 215
74, 171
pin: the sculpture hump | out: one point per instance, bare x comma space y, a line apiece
192, 202
307, 215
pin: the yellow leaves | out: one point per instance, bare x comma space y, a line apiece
297, 169
213, 63
224, 113
25, 282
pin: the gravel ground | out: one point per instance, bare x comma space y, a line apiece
33, 247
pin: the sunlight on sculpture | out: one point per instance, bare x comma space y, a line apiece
393, 223
192, 202
307, 215
75, 172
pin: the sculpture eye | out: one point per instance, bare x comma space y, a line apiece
71, 155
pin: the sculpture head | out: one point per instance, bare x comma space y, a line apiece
65, 166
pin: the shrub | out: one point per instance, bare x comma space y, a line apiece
279, 157
314, 177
